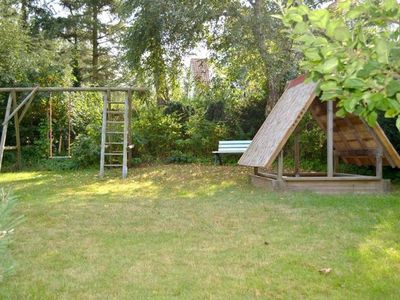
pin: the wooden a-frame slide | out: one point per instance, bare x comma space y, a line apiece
348, 138
18, 111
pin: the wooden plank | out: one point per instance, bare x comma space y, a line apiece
125, 146
280, 166
5, 127
21, 104
75, 89
130, 149
379, 154
17, 132
297, 152
329, 140
24, 111
278, 126
103, 133
50, 126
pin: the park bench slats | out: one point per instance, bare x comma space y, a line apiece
231, 147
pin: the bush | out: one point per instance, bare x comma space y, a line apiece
86, 149
7, 224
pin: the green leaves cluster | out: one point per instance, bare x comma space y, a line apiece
352, 49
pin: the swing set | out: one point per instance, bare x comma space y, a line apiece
115, 132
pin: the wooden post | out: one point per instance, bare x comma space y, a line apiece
103, 133
256, 171
379, 154
280, 166
126, 130
130, 128
329, 135
17, 132
28, 98
50, 127
297, 153
5, 126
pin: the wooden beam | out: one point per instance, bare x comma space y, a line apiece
103, 133
4, 132
356, 153
378, 165
125, 145
297, 152
24, 111
280, 166
21, 105
17, 132
75, 89
130, 148
329, 135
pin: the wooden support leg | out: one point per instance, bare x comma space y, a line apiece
330, 138
103, 134
17, 132
297, 153
130, 149
280, 166
379, 154
5, 126
219, 159
126, 130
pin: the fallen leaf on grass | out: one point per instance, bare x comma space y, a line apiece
325, 270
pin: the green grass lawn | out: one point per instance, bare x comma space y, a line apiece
197, 232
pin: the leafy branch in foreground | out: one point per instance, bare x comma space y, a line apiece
7, 224
352, 50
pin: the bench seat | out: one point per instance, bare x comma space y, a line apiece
231, 147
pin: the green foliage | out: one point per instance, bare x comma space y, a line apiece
8, 222
351, 49
86, 151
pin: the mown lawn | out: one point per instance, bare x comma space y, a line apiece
197, 232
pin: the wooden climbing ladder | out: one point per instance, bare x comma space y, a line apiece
115, 133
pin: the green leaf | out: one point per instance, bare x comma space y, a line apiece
341, 113
391, 113
328, 86
319, 18
303, 10
393, 87
382, 50
342, 34
295, 17
354, 83
329, 95
312, 54
330, 65
371, 118
350, 104
398, 123
390, 4
368, 69
300, 28
356, 12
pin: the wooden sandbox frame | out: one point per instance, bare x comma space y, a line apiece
349, 139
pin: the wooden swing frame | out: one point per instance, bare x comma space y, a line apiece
18, 111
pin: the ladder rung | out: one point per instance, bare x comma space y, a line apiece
114, 132
112, 165
116, 112
114, 154
115, 122
116, 102
114, 143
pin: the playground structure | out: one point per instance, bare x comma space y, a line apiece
116, 122
349, 139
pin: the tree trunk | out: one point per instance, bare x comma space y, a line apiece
95, 43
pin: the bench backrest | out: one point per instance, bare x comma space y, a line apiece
233, 146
